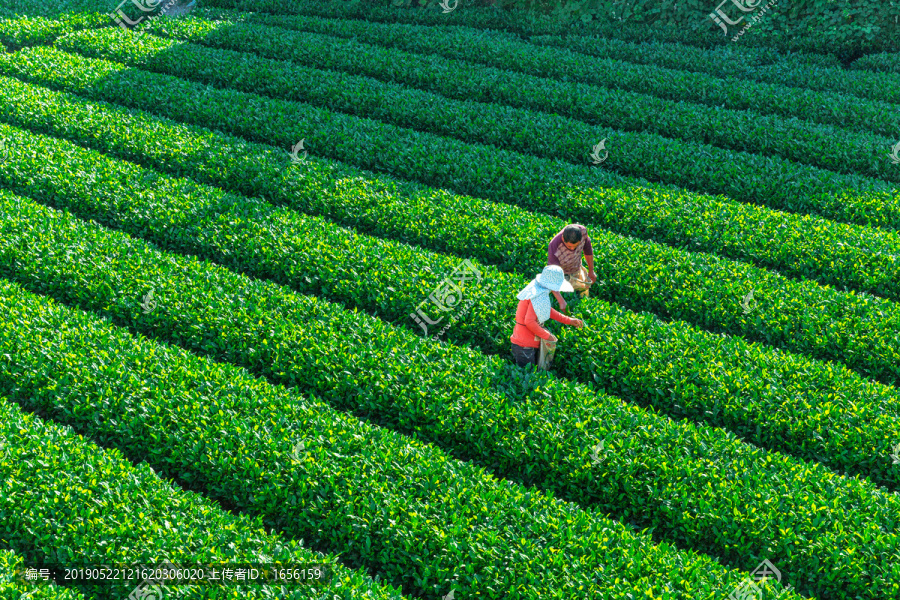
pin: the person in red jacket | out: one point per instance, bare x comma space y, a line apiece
534, 308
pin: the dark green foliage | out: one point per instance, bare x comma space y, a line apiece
637, 148
751, 64
776, 182
513, 56
885, 62
845, 28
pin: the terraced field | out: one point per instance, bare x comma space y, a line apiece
209, 344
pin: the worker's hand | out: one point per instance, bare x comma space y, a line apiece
553, 339
593, 276
578, 323
562, 304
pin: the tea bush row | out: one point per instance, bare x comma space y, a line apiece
884, 62
847, 198
633, 153
536, 430
18, 30
519, 56
404, 511
754, 64
856, 329
66, 502
800, 245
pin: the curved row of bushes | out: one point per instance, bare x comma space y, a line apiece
751, 64
845, 28
403, 510
516, 56
26, 30
66, 502
844, 255
697, 486
634, 153
491, 18
811, 248
884, 62
812, 40
862, 152
829, 322
797, 245
778, 183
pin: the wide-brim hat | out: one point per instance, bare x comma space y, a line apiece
553, 278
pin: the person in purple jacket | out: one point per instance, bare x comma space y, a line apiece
566, 250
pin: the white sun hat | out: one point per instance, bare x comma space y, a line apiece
551, 279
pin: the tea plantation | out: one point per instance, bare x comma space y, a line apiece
216, 231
